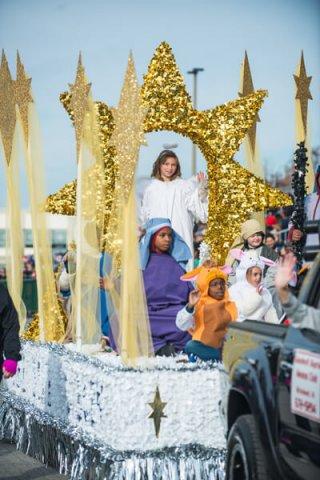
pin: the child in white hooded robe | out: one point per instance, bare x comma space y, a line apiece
252, 298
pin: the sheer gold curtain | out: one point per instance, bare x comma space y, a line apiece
14, 235
51, 319
130, 327
90, 197
9, 150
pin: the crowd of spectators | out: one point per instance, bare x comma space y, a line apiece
29, 269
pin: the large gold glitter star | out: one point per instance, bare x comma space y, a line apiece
157, 414
234, 193
79, 101
303, 91
7, 108
247, 88
22, 91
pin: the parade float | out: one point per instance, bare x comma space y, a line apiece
100, 415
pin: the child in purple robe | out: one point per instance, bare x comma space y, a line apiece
163, 257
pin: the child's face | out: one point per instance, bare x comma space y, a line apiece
254, 276
217, 288
163, 240
270, 242
168, 168
255, 240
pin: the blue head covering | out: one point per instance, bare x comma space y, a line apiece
179, 250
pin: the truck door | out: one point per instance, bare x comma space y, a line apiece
298, 398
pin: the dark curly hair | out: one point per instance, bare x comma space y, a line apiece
162, 157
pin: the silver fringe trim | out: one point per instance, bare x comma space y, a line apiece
160, 363
80, 456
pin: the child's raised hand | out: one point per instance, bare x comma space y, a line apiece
194, 297
285, 271
201, 177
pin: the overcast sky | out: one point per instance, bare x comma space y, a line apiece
210, 34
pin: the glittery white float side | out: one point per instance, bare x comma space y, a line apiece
111, 402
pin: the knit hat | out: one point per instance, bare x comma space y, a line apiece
250, 227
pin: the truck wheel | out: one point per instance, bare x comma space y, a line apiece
245, 457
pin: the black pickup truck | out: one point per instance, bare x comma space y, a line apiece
271, 397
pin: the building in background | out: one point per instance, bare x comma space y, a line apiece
61, 229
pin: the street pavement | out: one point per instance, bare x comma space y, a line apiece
15, 465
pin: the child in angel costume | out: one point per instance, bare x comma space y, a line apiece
169, 196
252, 298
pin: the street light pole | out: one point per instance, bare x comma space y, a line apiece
194, 72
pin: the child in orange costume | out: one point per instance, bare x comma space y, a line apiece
207, 314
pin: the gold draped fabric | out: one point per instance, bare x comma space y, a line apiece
90, 196
129, 318
51, 320
14, 236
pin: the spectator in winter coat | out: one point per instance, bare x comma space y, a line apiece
301, 315
9, 335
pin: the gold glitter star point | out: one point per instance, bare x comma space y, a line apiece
7, 108
79, 101
303, 93
247, 88
23, 96
157, 414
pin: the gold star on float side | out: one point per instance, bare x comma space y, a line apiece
79, 101
218, 133
22, 91
157, 414
7, 108
303, 91
247, 88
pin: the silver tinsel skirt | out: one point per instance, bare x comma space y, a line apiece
81, 457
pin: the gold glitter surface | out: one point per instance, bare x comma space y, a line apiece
22, 90
7, 108
55, 330
303, 91
32, 332
128, 133
164, 95
127, 138
234, 192
79, 101
63, 202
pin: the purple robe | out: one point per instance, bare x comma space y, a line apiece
166, 294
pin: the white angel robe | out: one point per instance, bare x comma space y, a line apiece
178, 200
251, 305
